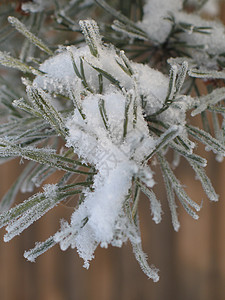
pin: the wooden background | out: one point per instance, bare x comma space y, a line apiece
191, 262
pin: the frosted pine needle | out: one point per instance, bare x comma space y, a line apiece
104, 110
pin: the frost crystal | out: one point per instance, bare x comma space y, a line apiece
164, 20
105, 122
155, 21
117, 159
108, 130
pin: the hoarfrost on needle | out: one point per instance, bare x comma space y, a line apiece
108, 130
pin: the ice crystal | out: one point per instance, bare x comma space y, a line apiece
116, 117
155, 21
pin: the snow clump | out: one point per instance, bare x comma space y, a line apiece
107, 130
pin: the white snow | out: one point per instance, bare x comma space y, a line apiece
116, 158
211, 7
213, 42
108, 131
59, 73
155, 22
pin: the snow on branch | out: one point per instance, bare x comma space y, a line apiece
106, 121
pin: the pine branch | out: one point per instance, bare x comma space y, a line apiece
30, 36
